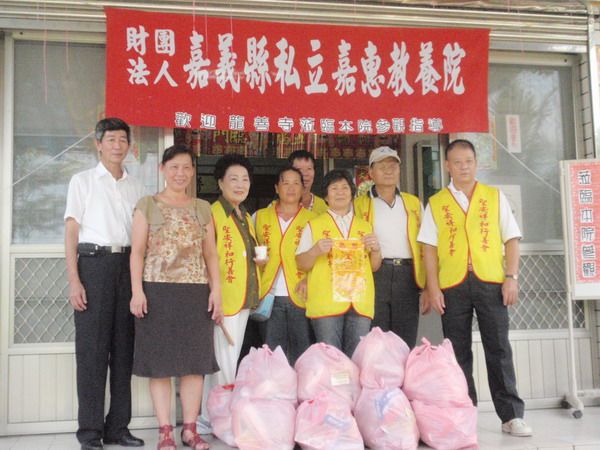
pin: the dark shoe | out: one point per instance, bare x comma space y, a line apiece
93, 444
125, 440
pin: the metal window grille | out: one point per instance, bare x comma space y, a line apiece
543, 296
42, 312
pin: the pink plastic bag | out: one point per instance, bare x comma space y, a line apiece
386, 420
219, 412
381, 357
447, 427
325, 423
324, 367
263, 424
266, 374
433, 376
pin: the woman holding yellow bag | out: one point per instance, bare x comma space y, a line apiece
338, 323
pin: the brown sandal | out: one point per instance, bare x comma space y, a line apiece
167, 442
195, 442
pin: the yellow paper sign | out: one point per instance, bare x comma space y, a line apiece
348, 265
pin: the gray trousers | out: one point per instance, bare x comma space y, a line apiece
104, 338
289, 328
343, 332
486, 300
397, 301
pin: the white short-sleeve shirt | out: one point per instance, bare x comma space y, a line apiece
102, 206
343, 222
509, 229
391, 227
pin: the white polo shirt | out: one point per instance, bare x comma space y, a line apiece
509, 229
391, 227
343, 222
102, 206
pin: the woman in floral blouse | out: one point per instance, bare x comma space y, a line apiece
173, 262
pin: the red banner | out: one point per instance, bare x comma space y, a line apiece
171, 70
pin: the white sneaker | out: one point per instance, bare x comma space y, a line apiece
517, 427
203, 426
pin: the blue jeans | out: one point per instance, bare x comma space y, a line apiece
289, 328
343, 332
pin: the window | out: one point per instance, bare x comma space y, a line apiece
59, 97
531, 118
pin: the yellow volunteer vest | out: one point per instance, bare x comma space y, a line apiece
319, 302
475, 233
319, 205
282, 249
363, 206
232, 260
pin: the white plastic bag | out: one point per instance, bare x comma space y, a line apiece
324, 367
219, 412
266, 374
447, 427
263, 424
325, 423
433, 376
381, 357
386, 420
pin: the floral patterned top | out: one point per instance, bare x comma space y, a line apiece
174, 247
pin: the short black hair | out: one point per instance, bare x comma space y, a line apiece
301, 154
464, 143
337, 175
232, 159
111, 124
289, 168
174, 150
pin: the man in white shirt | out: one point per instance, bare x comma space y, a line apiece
471, 245
395, 217
100, 203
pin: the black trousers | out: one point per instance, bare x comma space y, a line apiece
397, 301
486, 300
104, 338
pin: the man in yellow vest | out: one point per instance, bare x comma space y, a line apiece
395, 217
472, 261
304, 161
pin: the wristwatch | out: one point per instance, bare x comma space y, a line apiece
514, 276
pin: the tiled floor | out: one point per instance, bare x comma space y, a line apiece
554, 429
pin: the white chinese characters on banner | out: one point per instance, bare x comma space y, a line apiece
257, 74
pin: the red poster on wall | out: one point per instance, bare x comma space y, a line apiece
185, 71
585, 201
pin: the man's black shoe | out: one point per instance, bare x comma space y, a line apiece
125, 440
93, 444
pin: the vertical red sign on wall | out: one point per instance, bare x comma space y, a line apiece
585, 213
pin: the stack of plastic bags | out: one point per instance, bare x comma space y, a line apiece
383, 413
262, 403
328, 386
386, 397
438, 393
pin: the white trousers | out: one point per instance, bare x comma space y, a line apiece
227, 355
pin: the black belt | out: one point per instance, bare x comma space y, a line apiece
398, 261
88, 249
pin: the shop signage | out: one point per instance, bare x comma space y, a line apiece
193, 71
